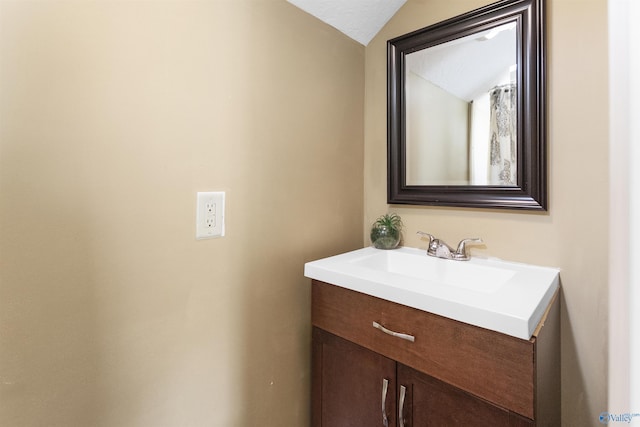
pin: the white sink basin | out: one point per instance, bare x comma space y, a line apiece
502, 296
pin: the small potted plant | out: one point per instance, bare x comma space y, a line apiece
386, 230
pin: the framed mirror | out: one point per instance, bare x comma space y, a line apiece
467, 110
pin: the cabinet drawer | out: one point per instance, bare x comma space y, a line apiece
488, 364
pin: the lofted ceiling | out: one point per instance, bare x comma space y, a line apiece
449, 69
359, 19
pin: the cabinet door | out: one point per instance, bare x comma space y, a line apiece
352, 386
430, 402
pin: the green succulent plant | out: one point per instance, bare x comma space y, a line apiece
391, 220
385, 232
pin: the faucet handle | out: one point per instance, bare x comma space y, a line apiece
433, 242
430, 236
461, 253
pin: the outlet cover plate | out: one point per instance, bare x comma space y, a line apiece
210, 214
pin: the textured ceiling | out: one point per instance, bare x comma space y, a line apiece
359, 19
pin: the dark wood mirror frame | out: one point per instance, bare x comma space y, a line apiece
530, 193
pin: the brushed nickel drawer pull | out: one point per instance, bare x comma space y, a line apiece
393, 333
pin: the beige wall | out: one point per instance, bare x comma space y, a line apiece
112, 116
572, 235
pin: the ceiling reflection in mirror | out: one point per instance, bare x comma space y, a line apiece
461, 110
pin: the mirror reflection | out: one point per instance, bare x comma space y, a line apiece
461, 110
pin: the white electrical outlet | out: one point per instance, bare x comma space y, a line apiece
210, 215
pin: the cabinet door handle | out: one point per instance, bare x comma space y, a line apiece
403, 393
393, 333
385, 386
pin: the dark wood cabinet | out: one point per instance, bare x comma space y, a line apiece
429, 402
443, 373
353, 384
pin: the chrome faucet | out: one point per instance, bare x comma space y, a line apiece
440, 249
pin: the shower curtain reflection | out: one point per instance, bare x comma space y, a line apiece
503, 132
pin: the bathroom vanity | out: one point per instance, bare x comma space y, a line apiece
378, 362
